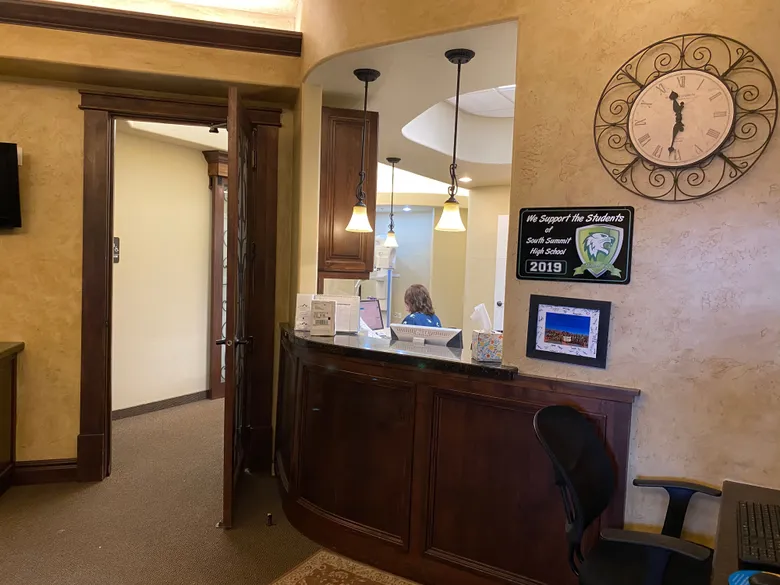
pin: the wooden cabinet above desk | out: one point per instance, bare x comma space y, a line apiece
343, 254
429, 468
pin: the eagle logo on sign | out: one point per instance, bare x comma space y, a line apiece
598, 246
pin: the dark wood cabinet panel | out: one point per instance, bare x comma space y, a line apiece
432, 475
485, 453
285, 416
340, 251
356, 450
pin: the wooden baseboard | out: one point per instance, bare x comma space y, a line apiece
45, 471
159, 405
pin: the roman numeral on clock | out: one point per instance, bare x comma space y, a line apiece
698, 149
676, 155
715, 96
643, 140
658, 151
681, 80
642, 122
721, 114
712, 133
660, 87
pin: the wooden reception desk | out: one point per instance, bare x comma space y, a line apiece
425, 464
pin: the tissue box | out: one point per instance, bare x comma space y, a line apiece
487, 346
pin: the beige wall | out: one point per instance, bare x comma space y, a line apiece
697, 330
40, 266
448, 272
413, 261
162, 283
485, 205
306, 185
107, 60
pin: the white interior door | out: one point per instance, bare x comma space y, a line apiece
502, 243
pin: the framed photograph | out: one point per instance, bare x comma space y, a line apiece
575, 331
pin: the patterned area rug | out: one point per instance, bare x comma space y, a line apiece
327, 568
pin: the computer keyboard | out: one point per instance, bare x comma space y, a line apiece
759, 535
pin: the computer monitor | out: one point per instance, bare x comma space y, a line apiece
371, 313
427, 335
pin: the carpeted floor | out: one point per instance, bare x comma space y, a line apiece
153, 521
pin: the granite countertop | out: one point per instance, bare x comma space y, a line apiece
433, 357
10, 348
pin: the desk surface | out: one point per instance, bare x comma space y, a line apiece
725, 561
434, 357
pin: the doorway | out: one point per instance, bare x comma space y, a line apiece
252, 162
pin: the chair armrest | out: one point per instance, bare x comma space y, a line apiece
679, 485
667, 543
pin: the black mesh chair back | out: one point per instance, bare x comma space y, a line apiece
583, 470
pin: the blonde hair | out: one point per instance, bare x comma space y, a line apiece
418, 299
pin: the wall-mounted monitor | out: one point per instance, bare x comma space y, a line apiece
10, 205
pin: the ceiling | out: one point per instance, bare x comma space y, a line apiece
497, 102
196, 137
412, 97
278, 14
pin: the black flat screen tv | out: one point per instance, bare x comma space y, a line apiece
10, 206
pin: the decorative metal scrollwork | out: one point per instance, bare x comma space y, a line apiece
751, 86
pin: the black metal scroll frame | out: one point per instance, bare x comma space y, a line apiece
747, 78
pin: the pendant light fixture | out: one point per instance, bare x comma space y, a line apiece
450, 220
390, 241
359, 221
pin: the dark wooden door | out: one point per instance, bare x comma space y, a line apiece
240, 178
344, 254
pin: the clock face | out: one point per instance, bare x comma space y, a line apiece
681, 118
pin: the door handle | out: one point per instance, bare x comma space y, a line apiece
227, 342
247, 341
499, 303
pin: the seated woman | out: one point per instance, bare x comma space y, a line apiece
420, 307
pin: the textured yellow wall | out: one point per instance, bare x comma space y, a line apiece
69, 55
40, 266
448, 270
698, 329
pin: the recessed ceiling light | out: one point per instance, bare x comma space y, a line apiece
407, 208
465, 179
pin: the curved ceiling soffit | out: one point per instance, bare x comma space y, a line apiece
308, 69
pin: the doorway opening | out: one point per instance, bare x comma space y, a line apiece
251, 257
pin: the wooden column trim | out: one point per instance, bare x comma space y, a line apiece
218, 171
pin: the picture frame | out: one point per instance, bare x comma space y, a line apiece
574, 331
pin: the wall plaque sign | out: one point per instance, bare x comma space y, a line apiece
575, 244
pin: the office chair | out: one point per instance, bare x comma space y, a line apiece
585, 476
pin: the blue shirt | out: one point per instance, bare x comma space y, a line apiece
422, 320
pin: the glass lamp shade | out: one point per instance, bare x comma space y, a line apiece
390, 241
359, 221
450, 220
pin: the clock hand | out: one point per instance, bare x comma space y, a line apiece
678, 124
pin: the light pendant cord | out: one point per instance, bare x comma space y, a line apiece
361, 195
453, 188
392, 196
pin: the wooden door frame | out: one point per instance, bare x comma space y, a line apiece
100, 110
218, 173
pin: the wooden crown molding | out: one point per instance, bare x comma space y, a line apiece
151, 27
217, 161
146, 107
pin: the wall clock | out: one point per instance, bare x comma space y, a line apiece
685, 117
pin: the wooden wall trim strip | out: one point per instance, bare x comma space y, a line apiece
186, 110
45, 471
159, 405
151, 27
